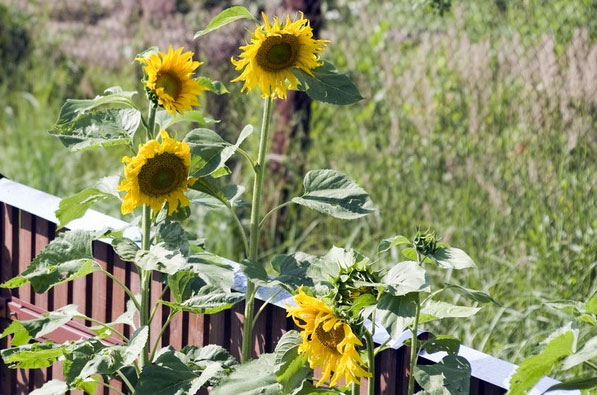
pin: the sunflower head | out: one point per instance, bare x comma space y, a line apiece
274, 50
328, 341
169, 82
157, 174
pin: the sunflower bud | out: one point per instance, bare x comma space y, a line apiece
425, 243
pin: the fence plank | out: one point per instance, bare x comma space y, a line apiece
8, 248
198, 327
118, 269
25, 253
158, 320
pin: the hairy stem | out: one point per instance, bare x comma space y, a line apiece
413, 346
371, 355
162, 330
110, 386
254, 235
124, 287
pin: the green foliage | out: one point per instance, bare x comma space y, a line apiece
451, 376
328, 86
559, 345
23, 331
76, 205
66, 258
225, 17
332, 192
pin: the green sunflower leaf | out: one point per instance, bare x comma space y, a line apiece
451, 376
208, 195
406, 277
76, 206
387, 244
291, 367
23, 331
115, 96
591, 305
449, 344
334, 193
52, 387
209, 152
252, 378
98, 128
327, 85
168, 374
166, 120
452, 258
162, 257
472, 294
213, 86
33, 356
209, 299
584, 383
125, 248
436, 310
66, 258
109, 360
225, 17
395, 313
559, 345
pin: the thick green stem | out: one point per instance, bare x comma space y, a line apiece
413, 350
151, 121
371, 355
413, 346
145, 275
254, 235
159, 337
145, 282
355, 389
109, 386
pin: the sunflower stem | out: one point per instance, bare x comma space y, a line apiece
255, 231
413, 345
146, 244
355, 389
151, 121
145, 281
371, 355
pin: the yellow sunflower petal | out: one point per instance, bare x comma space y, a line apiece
169, 77
274, 51
328, 341
159, 173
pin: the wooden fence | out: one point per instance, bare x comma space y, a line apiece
27, 224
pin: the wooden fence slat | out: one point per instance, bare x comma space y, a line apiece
118, 268
8, 239
26, 237
198, 327
158, 321
259, 331
100, 305
236, 329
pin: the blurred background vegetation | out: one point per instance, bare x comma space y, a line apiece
479, 121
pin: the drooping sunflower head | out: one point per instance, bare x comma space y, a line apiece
276, 49
328, 341
159, 173
169, 79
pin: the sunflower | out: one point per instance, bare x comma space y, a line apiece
169, 79
157, 174
274, 50
328, 341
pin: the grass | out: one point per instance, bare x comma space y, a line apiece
479, 125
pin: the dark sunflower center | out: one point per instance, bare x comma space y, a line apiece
332, 338
162, 174
278, 52
170, 83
